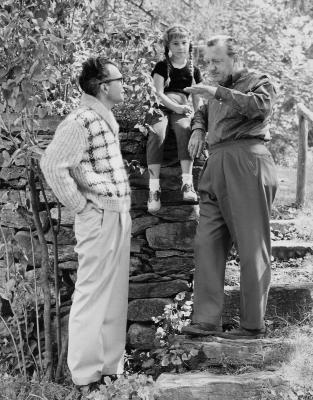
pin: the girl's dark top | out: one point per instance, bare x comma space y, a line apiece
180, 78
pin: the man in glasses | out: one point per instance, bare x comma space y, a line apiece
237, 188
84, 167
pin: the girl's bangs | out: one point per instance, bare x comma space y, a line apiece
177, 35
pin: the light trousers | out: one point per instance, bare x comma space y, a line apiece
237, 188
98, 316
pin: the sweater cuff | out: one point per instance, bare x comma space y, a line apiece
198, 125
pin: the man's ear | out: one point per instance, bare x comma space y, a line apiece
104, 87
236, 59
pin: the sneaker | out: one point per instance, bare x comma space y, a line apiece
109, 379
154, 203
189, 193
201, 329
243, 333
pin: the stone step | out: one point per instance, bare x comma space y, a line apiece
215, 351
287, 301
284, 249
283, 225
206, 385
283, 271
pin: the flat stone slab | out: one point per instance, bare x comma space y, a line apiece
139, 225
12, 218
67, 215
30, 249
14, 196
13, 172
157, 289
209, 386
139, 336
142, 310
172, 265
172, 253
217, 351
176, 235
68, 265
136, 245
282, 272
49, 196
289, 301
285, 249
65, 236
65, 253
185, 212
282, 225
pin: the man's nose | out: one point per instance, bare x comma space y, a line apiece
212, 68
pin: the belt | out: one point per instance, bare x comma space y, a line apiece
232, 142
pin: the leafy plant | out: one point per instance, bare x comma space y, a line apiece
21, 345
169, 353
131, 387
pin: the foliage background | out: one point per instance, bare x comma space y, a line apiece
43, 43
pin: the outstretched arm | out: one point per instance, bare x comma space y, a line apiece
257, 103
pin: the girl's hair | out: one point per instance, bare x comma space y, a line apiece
177, 32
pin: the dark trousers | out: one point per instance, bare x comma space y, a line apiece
237, 188
180, 124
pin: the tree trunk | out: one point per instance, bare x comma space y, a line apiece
44, 278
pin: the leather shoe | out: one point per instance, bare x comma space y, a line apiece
201, 329
243, 333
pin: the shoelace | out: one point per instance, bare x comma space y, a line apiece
188, 188
154, 195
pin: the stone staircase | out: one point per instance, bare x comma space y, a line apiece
246, 369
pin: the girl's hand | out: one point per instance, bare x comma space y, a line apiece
184, 109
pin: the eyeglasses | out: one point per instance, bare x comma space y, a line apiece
112, 80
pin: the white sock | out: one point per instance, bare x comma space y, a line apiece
186, 178
154, 184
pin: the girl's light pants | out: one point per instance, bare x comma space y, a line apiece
97, 322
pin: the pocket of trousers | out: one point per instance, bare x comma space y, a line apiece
91, 215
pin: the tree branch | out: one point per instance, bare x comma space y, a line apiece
141, 7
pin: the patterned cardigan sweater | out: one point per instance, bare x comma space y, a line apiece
84, 162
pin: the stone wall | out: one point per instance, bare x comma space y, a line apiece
161, 244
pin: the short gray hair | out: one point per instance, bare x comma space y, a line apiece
229, 42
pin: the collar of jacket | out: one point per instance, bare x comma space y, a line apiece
232, 79
90, 101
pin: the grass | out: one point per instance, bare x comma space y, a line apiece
299, 369
284, 204
286, 193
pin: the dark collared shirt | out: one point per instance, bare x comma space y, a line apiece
240, 109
